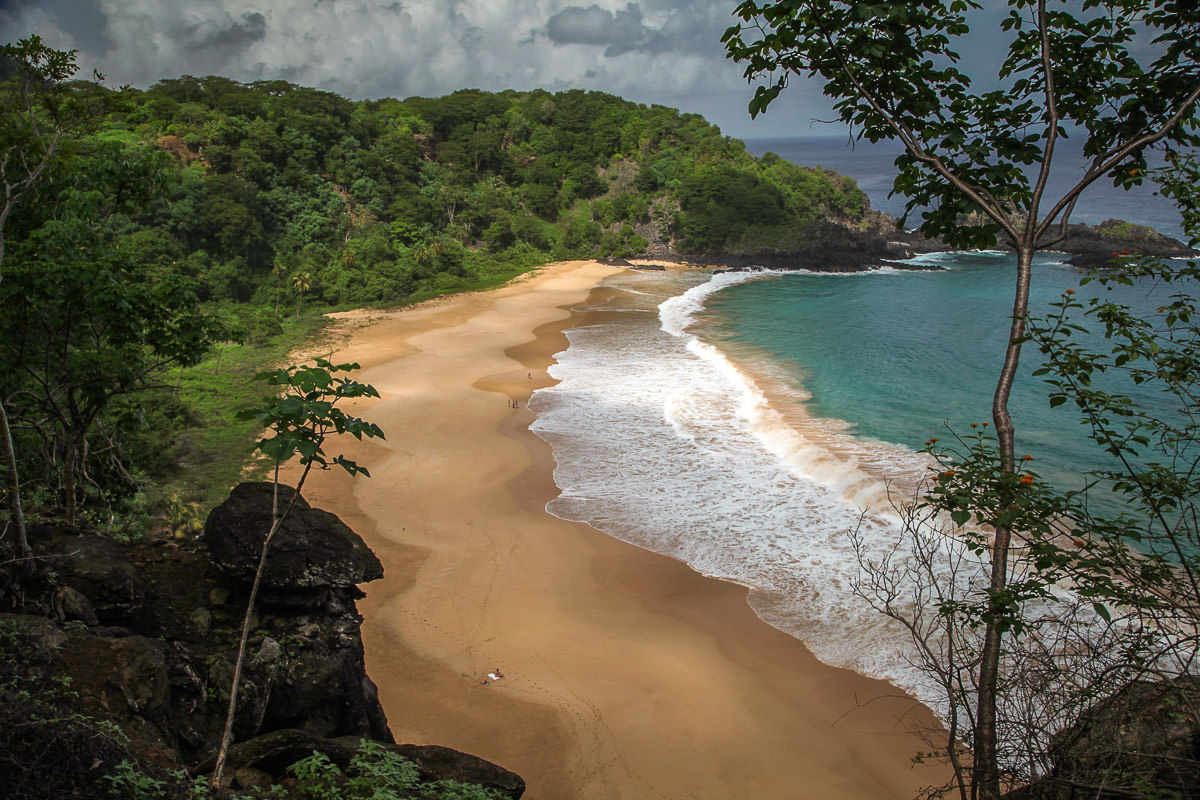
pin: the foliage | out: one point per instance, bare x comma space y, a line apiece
376, 773
306, 414
894, 74
82, 328
40, 117
1098, 599
1152, 449
47, 748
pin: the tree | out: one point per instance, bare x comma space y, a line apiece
1123, 76
79, 331
302, 284
41, 113
298, 422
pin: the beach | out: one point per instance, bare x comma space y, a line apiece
625, 674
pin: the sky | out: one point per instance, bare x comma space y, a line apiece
667, 52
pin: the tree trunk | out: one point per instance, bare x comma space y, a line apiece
13, 486
277, 519
986, 778
69, 510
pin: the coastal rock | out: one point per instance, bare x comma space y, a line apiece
164, 673
125, 680
830, 246
878, 241
312, 551
1097, 245
821, 246
272, 753
442, 763
1144, 741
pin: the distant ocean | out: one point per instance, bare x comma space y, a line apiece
744, 422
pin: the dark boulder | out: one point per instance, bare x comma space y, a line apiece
149, 636
125, 680
91, 577
313, 550
441, 763
272, 753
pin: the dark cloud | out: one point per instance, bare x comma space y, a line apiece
652, 51
82, 20
232, 35
619, 32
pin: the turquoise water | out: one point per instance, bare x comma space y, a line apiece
905, 356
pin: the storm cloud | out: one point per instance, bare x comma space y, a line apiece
619, 32
651, 51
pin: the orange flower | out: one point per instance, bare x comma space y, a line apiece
1027, 457
1078, 542
1026, 479
1072, 291
974, 424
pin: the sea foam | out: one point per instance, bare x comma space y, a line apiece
664, 441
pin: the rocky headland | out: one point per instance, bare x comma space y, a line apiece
878, 242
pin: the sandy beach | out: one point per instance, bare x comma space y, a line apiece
625, 673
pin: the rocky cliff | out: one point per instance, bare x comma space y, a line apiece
145, 636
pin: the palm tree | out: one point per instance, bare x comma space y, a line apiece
302, 283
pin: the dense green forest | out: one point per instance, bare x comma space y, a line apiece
186, 236
279, 190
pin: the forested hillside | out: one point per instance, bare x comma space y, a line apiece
281, 190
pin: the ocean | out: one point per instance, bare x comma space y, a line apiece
747, 423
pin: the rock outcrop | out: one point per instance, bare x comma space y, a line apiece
1098, 245
1142, 742
312, 555
147, 634
876, 242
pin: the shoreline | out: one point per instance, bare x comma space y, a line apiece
626, 674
